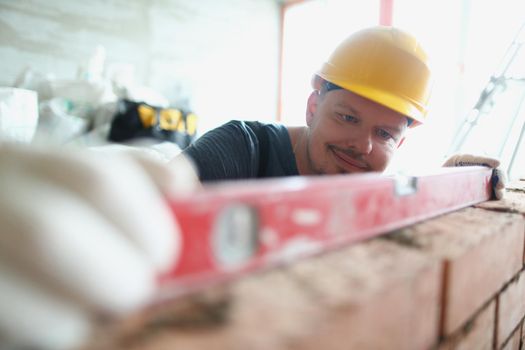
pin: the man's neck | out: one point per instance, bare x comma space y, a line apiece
299, 140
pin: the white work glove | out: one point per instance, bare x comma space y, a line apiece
82, 234
498, 175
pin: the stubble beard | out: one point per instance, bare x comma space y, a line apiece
311, 165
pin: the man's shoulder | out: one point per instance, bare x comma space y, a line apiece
253, 126
252, 123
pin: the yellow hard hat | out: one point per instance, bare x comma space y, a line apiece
385, 65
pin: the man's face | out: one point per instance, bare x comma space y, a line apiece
349, 134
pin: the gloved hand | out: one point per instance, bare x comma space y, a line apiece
498, 175
82, 234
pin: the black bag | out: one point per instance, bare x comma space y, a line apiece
135, 120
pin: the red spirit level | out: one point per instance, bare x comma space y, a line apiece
235, 227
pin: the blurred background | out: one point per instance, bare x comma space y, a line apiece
68, 64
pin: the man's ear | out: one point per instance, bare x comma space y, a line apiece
316, 82
311, 106
401, 142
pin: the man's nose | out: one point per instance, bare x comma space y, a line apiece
361, 142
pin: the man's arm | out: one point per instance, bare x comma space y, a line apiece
82, 233
227, 152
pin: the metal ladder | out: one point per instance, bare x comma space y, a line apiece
497, 84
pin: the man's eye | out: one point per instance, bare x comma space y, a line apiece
385, 135
349, 118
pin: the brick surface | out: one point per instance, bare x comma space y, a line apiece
481, 251
514, 200
386, 293
516, 185
477, 334
514, 343
375, 295
511, 308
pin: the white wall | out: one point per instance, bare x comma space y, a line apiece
466, 41
222, 54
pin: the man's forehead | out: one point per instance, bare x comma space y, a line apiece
358, 106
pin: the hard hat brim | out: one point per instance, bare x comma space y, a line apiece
400, 104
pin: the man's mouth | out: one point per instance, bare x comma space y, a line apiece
349, 162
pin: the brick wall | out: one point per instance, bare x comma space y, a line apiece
453, 282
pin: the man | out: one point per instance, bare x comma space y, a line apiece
95, 229
374, 86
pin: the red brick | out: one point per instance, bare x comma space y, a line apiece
375, 295
511, 308
481, 250
514, 343
478, 334
268, 310
514, 201
389, 300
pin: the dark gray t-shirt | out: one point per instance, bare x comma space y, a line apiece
243, 150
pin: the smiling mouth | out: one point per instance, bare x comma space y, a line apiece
349, 163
